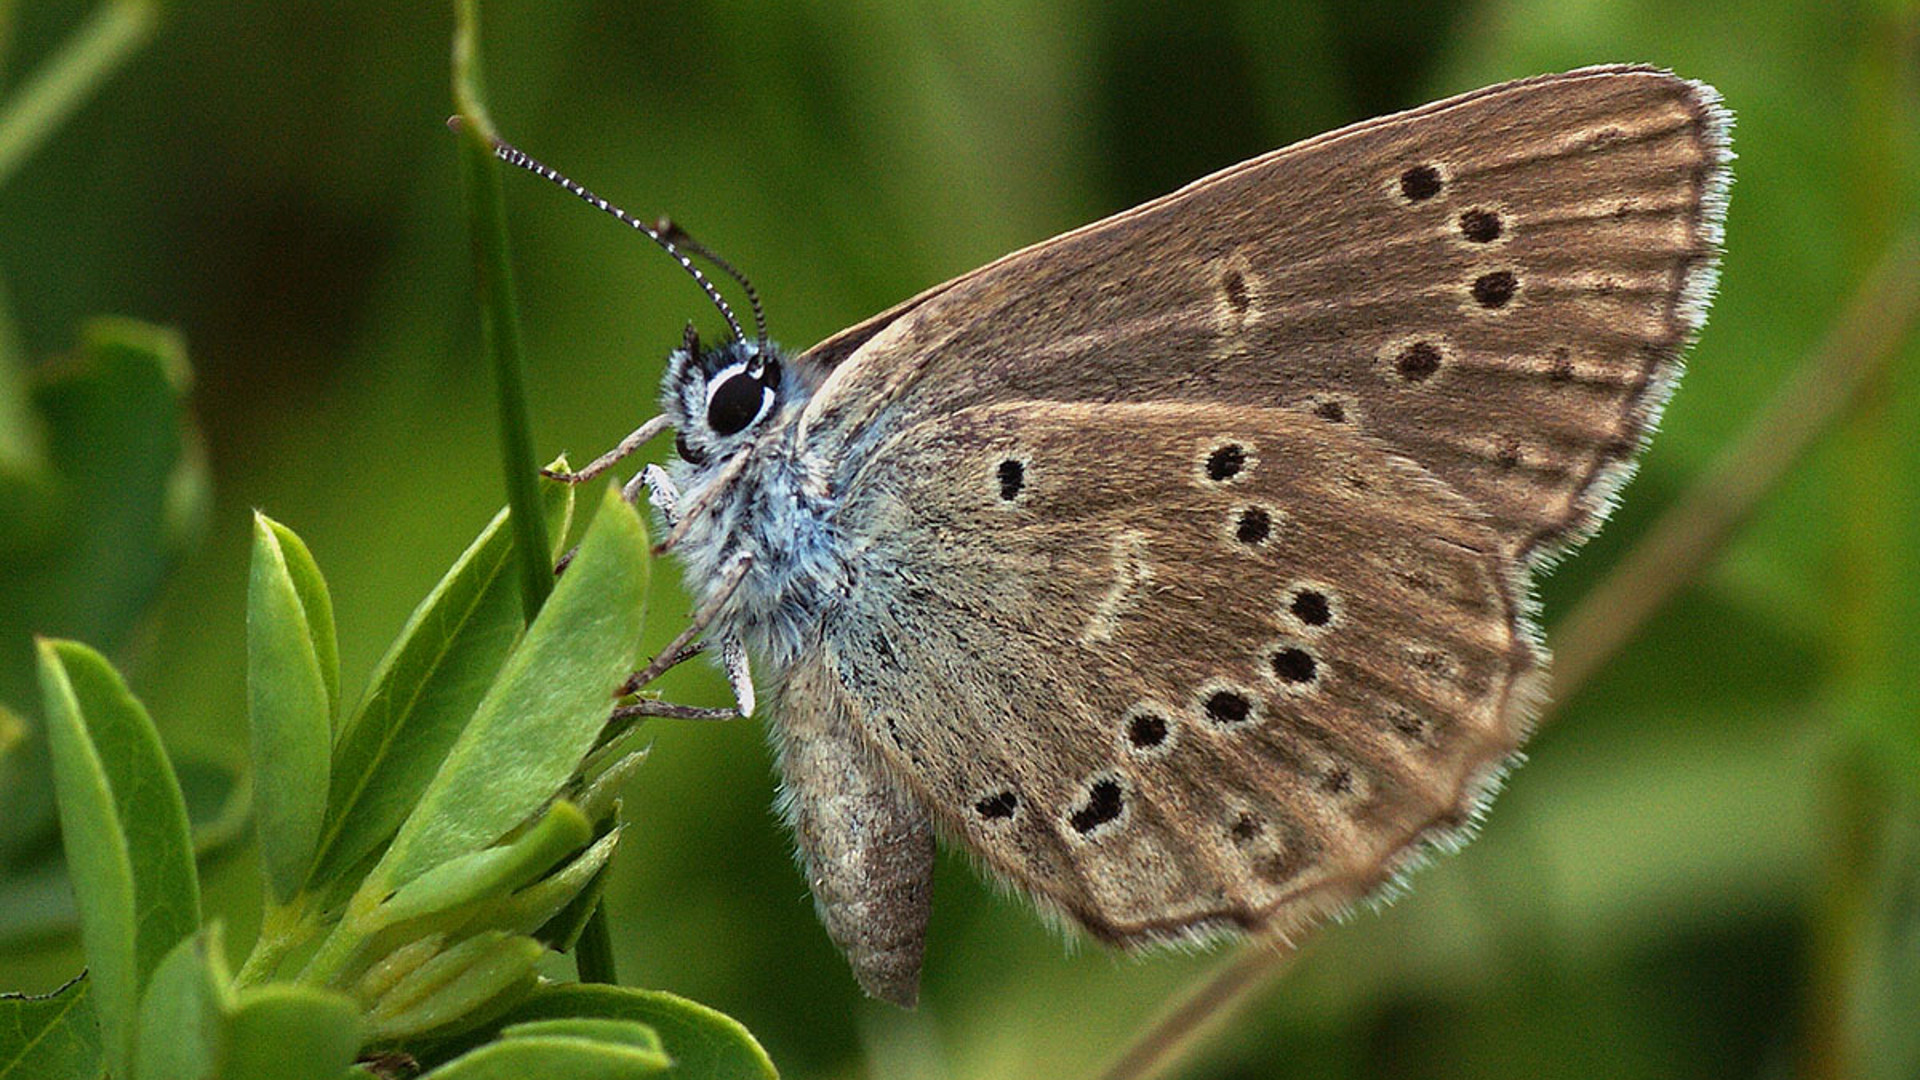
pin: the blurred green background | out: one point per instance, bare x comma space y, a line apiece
1710, 866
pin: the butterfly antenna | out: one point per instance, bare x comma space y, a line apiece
674, 233
513, 155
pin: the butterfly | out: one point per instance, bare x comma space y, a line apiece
1177, 568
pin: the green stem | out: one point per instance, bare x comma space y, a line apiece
7, 8
499, 316
103, 42
593, 953
283, 928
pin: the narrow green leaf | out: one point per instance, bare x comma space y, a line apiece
492, 872
317, 605
36, 893
54, 1037
598, 1029
477, 892
182, 1012
290, 1032
530, 910
125, 830
543, 712
287, 706
423, 693
703, 1042
550, 1055
84, 562
468, 984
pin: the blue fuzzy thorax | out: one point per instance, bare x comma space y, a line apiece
765, 509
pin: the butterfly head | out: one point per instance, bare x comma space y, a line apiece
720, 398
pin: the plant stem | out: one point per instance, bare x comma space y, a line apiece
593, 953
101, 44
1685, 539
283, 928
499, 311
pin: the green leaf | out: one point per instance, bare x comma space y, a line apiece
466, 985
470, 894
182, 1011
423, 693
576, 1059
125, 830
561, 922
289, 713
624, 1032
194, 1027
123, 497
50, 1038
544, 710
494, 871
36, 893
315, 603
530, 910
290, 1032
704, 1043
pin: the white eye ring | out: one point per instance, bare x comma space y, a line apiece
734, 371
719, 378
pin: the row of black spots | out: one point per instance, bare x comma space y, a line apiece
1479, 225
1252, 525
1148, 729
1295, 666
999, 806
1012, 475
1226, 461
1427, 181
1332, 409
1312, 607
1273, 849
1227, 707
1234, 285
1106, 801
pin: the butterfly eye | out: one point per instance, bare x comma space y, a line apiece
735, 402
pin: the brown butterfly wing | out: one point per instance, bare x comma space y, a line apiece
1173, 667
1498, 286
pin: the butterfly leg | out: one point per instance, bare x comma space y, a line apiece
733, 655
640, 437
865, 844
662, 494
685, 646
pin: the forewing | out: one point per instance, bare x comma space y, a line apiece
1175, 667
1498, 286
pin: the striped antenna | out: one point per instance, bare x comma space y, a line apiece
513, 155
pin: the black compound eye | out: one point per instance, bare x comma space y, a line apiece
736, 402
